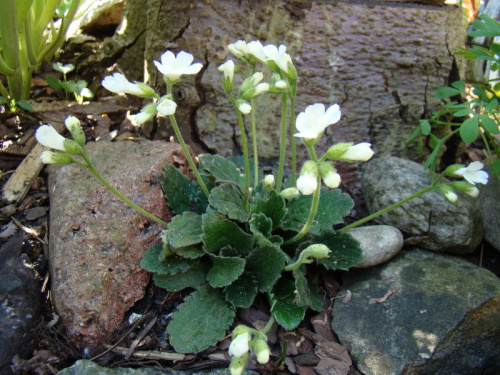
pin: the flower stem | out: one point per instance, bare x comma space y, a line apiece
284, 110
312, 215
268, 325
292, 132
103, 181
244, 143
392, 207
255, 150
187, 154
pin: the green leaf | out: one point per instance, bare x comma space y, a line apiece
463, 112
286, 312
333, 206
225, 270
446, 92
486, 27
425, 126
345, 254
24, 105
220, 168
469, 130
3, 100
274, 207
261, 226
191, 252
181, 193
489, 124
243, 291
459, 85
184, 230
200, 321
266, 263
306, 294
218, 232
229, 200
54, 82
171, 265
492, 105
191, 278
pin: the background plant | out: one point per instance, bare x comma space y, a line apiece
478, 116
30, 33
78, 89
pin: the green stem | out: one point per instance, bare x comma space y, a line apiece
284, 110
244, 143
392, 207
11, 51
187, 154
255, 149
103, 181
292, 132
312, 214
268, 325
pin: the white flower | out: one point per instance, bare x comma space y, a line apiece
64, 69
245, 108
262, 351
282, 85
117, 83
473, 173
312, 122
239, 345
173, 67
260, 89
74, 127
228, 69
360, 152
471, 191
166, 107
147, 113
332, 180
47, 136
449, 194
239, 49
278, 55
307, 183
51, 157
256, 49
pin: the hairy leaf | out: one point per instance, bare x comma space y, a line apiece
266, 263
333, 206
274, 208
184, 230
171, 265
220, 168
345, 254
181, 193
225, 270
243, 291
261, 226
286, 312
200, 321
191, 278
229, 200
219, 232
307, 295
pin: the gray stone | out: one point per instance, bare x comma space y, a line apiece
421, 313
20, 301
86, 367
97, 241
443, 226
379, 243
488, 203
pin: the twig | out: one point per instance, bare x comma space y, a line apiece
140, 336
151, 354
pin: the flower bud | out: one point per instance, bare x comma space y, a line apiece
262, 351
268, 183
239, 345
307, 183
290, 193
315, 251
47, 136
449, 193
237, 365
329, 175
73, 125
51, 157
166, 107
244, 107
260, 89
336, 151
360, 152
147, 113
466, 188
282, 85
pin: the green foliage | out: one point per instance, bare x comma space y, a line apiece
78, 89
476, 117
200, 321
236, 245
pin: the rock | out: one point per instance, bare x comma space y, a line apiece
443, 226
421, 313
488, 203
83, 367
379, 243
20, 301
97, 241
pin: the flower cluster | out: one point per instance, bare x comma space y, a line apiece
172, 67
472, 174
243, 343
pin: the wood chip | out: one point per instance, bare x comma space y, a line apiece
389, 293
